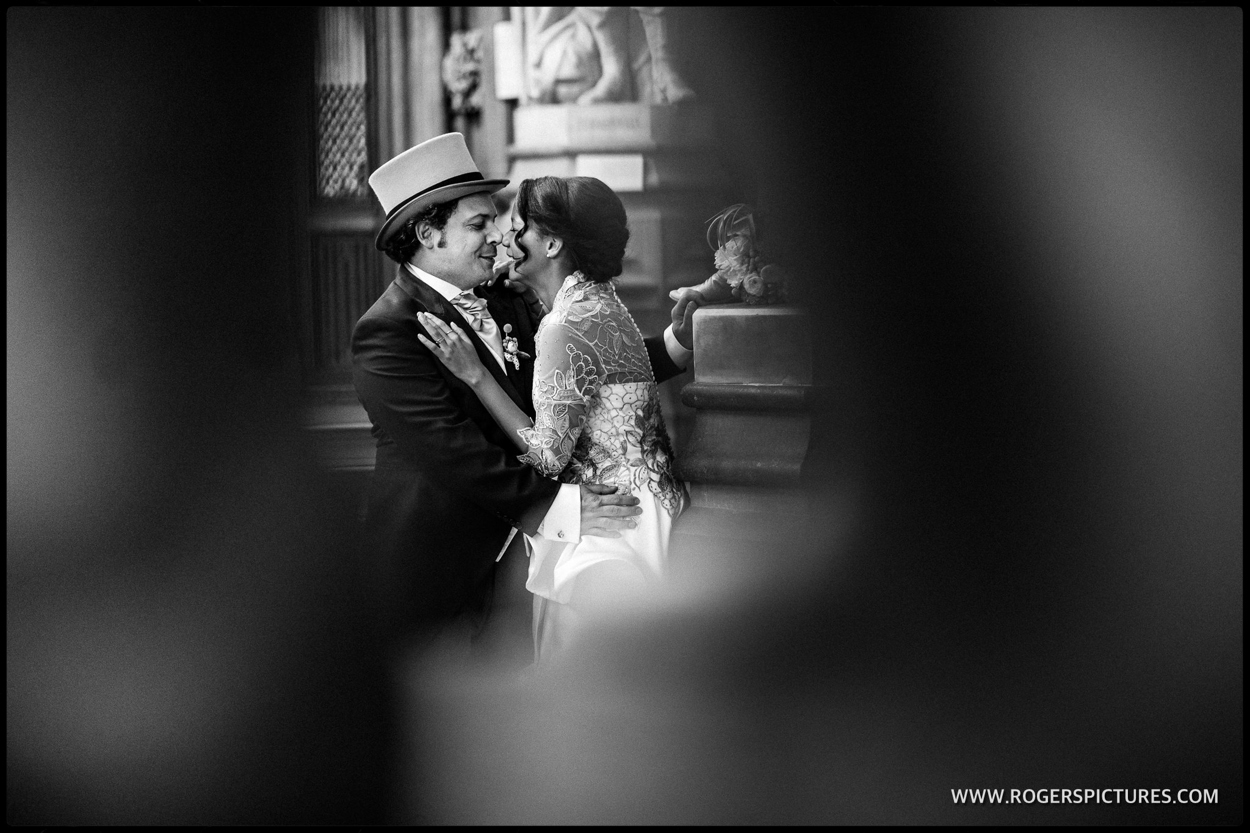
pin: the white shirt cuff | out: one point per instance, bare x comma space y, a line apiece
563, 521
680, 355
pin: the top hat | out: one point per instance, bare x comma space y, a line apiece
437, 170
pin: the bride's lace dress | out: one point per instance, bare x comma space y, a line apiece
597, 420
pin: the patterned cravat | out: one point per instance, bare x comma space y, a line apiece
473, 309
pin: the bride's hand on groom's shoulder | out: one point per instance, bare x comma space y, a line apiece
452, 347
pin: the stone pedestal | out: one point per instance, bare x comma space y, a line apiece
663, 163
751, 396
628, 127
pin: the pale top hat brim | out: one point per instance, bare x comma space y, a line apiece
437, 170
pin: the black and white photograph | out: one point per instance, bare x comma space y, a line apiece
583, 415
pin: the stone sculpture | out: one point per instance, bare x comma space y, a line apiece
584, 55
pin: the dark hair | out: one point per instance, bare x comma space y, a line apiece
403, 244
583, 212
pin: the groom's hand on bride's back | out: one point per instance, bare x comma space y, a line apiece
605, 513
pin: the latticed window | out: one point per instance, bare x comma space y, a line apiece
342, 148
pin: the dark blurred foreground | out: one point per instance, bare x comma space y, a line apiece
187, 642
1022, 229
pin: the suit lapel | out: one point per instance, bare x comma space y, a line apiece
507, 307
439, 306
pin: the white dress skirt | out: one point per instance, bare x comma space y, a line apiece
561, 613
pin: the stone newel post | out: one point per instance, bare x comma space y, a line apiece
751, 394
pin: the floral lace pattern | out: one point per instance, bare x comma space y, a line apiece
597, 406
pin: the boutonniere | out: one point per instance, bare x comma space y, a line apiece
510, 351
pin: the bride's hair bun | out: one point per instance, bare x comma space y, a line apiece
583, 212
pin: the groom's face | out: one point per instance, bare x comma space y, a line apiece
463, 253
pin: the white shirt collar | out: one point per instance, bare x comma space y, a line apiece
439, 285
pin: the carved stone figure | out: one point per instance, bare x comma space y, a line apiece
462, 71
583, 55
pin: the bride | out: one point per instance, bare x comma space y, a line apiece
597, 410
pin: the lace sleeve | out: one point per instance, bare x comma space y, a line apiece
567, 374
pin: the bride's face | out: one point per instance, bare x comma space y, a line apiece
528, 263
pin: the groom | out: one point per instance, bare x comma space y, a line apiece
448, 494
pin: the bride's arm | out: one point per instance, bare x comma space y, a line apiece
456, 351
507, 415
566, 376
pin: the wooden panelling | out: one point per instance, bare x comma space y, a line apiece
347, 279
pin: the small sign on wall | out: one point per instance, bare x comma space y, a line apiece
509, 73
619, 171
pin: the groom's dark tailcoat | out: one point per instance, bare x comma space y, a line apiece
447, 488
